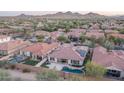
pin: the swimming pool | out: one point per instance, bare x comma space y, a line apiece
66, 69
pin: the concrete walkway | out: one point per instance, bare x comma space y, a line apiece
40, 63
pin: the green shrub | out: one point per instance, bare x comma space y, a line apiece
12, 66
4, 76
95, 70
3, 64
26, 70
63, 39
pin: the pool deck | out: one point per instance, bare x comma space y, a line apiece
56, 66
59, 66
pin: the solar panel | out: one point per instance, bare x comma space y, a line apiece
81, 52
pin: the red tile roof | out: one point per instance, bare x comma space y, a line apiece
107, 59
76, 32
95, 34
41, 32
12, 45
3, 36
118, 35
68, 52
41, 48
56, 34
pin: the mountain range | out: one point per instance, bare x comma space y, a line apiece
71, 15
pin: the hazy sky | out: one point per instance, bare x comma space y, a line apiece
14, 13
105, 7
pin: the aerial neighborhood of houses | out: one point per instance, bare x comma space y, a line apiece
64, 44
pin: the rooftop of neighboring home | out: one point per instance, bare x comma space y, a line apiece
70, 52
118, 35
61, 30
9, 31
41, 32
4, 29
119, 53
114, 59
95, 34
13, 44
94, 26
41, 48
3, 36
56, 34
111, 31
76, 32
94, 30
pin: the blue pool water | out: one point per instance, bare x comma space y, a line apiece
66, 69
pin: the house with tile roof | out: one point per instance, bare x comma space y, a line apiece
95, 34
4, 38
111, 31
69, 54
10, 32
38, 51
12, 47
54, 35
41, 33
117, 35
113, 61
74, 34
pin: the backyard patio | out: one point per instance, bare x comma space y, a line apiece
56, 66
64, 67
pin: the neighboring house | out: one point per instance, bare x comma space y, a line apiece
120, 45
74, 34
54, 35
95, 26
94, 30
5, 31
94, 34
38, 51
70, 55
118, 35
12, 47
4, 38
113, 61
111, 31
41, 33
10, 32
45, 34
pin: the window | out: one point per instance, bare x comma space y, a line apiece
52, 59
62, 60
75, 62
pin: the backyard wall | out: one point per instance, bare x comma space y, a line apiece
42, 69
68, 76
